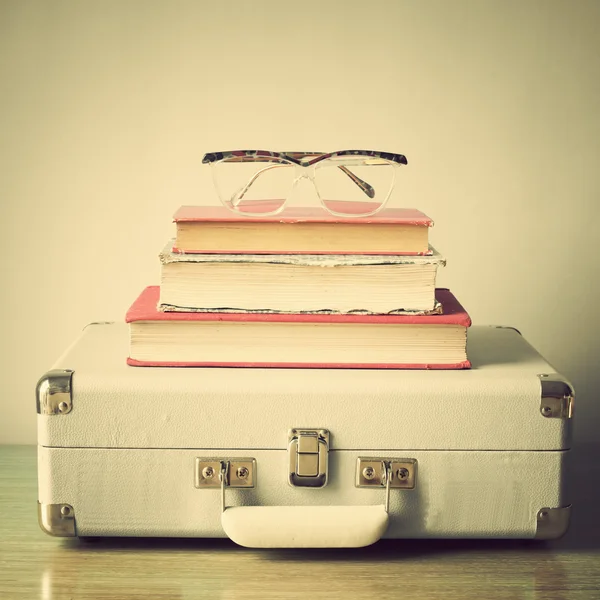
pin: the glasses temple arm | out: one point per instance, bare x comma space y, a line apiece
363, 185
237, 197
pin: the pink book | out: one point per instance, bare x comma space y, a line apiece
216, 229
179, 339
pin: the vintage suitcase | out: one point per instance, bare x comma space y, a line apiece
304, 457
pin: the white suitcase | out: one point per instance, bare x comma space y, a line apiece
303, 457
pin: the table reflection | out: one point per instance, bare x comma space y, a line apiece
410, 569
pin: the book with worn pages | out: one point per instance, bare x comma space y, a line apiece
215, 229
299, 283
297, 340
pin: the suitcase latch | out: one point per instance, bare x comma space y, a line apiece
308, 451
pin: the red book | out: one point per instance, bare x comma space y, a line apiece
216, 229
179, 339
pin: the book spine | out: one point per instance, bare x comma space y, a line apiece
177, 250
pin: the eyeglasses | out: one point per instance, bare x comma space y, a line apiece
353, 183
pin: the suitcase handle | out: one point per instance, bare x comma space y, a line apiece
305, 526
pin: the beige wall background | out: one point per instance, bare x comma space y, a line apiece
107, 108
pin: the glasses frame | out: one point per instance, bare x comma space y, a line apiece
303, 159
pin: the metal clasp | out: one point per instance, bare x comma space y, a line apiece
557, 397
53, 392
397, 473
308, 451
211, 473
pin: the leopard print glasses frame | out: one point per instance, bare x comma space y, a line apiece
304, 159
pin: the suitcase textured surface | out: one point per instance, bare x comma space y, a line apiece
294, 457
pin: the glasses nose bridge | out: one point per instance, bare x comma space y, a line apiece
304, 172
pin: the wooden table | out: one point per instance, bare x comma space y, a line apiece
33, 565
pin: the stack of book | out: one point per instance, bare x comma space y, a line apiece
305, 289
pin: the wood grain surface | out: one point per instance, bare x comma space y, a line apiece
34, 565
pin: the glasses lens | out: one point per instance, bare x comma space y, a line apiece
253, 187
354, 185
